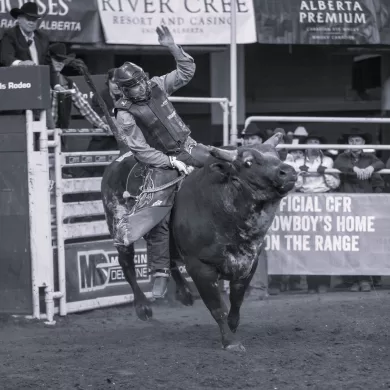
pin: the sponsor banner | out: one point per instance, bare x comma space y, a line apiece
192, 22
93, 270
334, 22
24, 88
330, 234
63, 20
90, 159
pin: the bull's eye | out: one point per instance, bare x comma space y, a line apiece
248, 164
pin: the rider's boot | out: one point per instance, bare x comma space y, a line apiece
160, 284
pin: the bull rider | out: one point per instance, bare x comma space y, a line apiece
149, 127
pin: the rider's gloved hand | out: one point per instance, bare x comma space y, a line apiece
179, 165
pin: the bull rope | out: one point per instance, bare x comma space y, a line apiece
80, 66
144, 190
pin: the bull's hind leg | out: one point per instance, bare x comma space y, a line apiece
141, 303
205, 278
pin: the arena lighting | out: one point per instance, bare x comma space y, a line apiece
233, 72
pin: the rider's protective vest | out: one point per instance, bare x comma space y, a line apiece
158, 120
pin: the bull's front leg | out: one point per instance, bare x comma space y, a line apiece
236, 297
205, 278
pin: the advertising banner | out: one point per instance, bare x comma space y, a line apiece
333, 22
63, 20
93, 271
330, 234
192, 22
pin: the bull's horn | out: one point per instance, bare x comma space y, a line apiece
275, 139
222, 154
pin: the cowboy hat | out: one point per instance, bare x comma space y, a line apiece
28, 9
355, 132
253, 129
58, 52
315, 135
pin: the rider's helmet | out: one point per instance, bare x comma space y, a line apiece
133, 82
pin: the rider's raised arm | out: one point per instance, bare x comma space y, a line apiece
132, 136
182, 75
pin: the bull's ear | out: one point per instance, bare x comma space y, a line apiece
275, 139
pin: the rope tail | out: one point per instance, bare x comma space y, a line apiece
80, 66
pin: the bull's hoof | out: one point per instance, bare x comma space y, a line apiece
144, 312
236, 347
233, 323
184, 296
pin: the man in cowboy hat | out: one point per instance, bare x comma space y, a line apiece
66, 93
358, 176
358, 167
253, 135
24, 45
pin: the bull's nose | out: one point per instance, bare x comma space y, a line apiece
285, 172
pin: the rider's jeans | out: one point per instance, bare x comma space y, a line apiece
158, 245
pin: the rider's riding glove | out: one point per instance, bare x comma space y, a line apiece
179, 165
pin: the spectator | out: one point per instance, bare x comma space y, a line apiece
299, 136
358, 167
253, 135
24, 44
313, 179
110, 94
67, 93
312, 168
358, 176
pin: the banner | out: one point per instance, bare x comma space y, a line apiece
93, 271
334, 22
63, 20
192, 22
330, 234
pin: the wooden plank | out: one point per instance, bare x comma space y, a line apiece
82, 209
85, 229
84, 185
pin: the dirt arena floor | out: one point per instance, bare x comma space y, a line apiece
332, 341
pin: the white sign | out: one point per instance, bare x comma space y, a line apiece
12, 85
192, 22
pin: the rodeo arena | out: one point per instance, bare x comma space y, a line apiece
194, 194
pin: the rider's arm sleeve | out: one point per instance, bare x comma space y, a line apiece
182, 75
131, 135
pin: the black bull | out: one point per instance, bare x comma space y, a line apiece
218, 224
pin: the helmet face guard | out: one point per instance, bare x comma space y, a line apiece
128, 77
